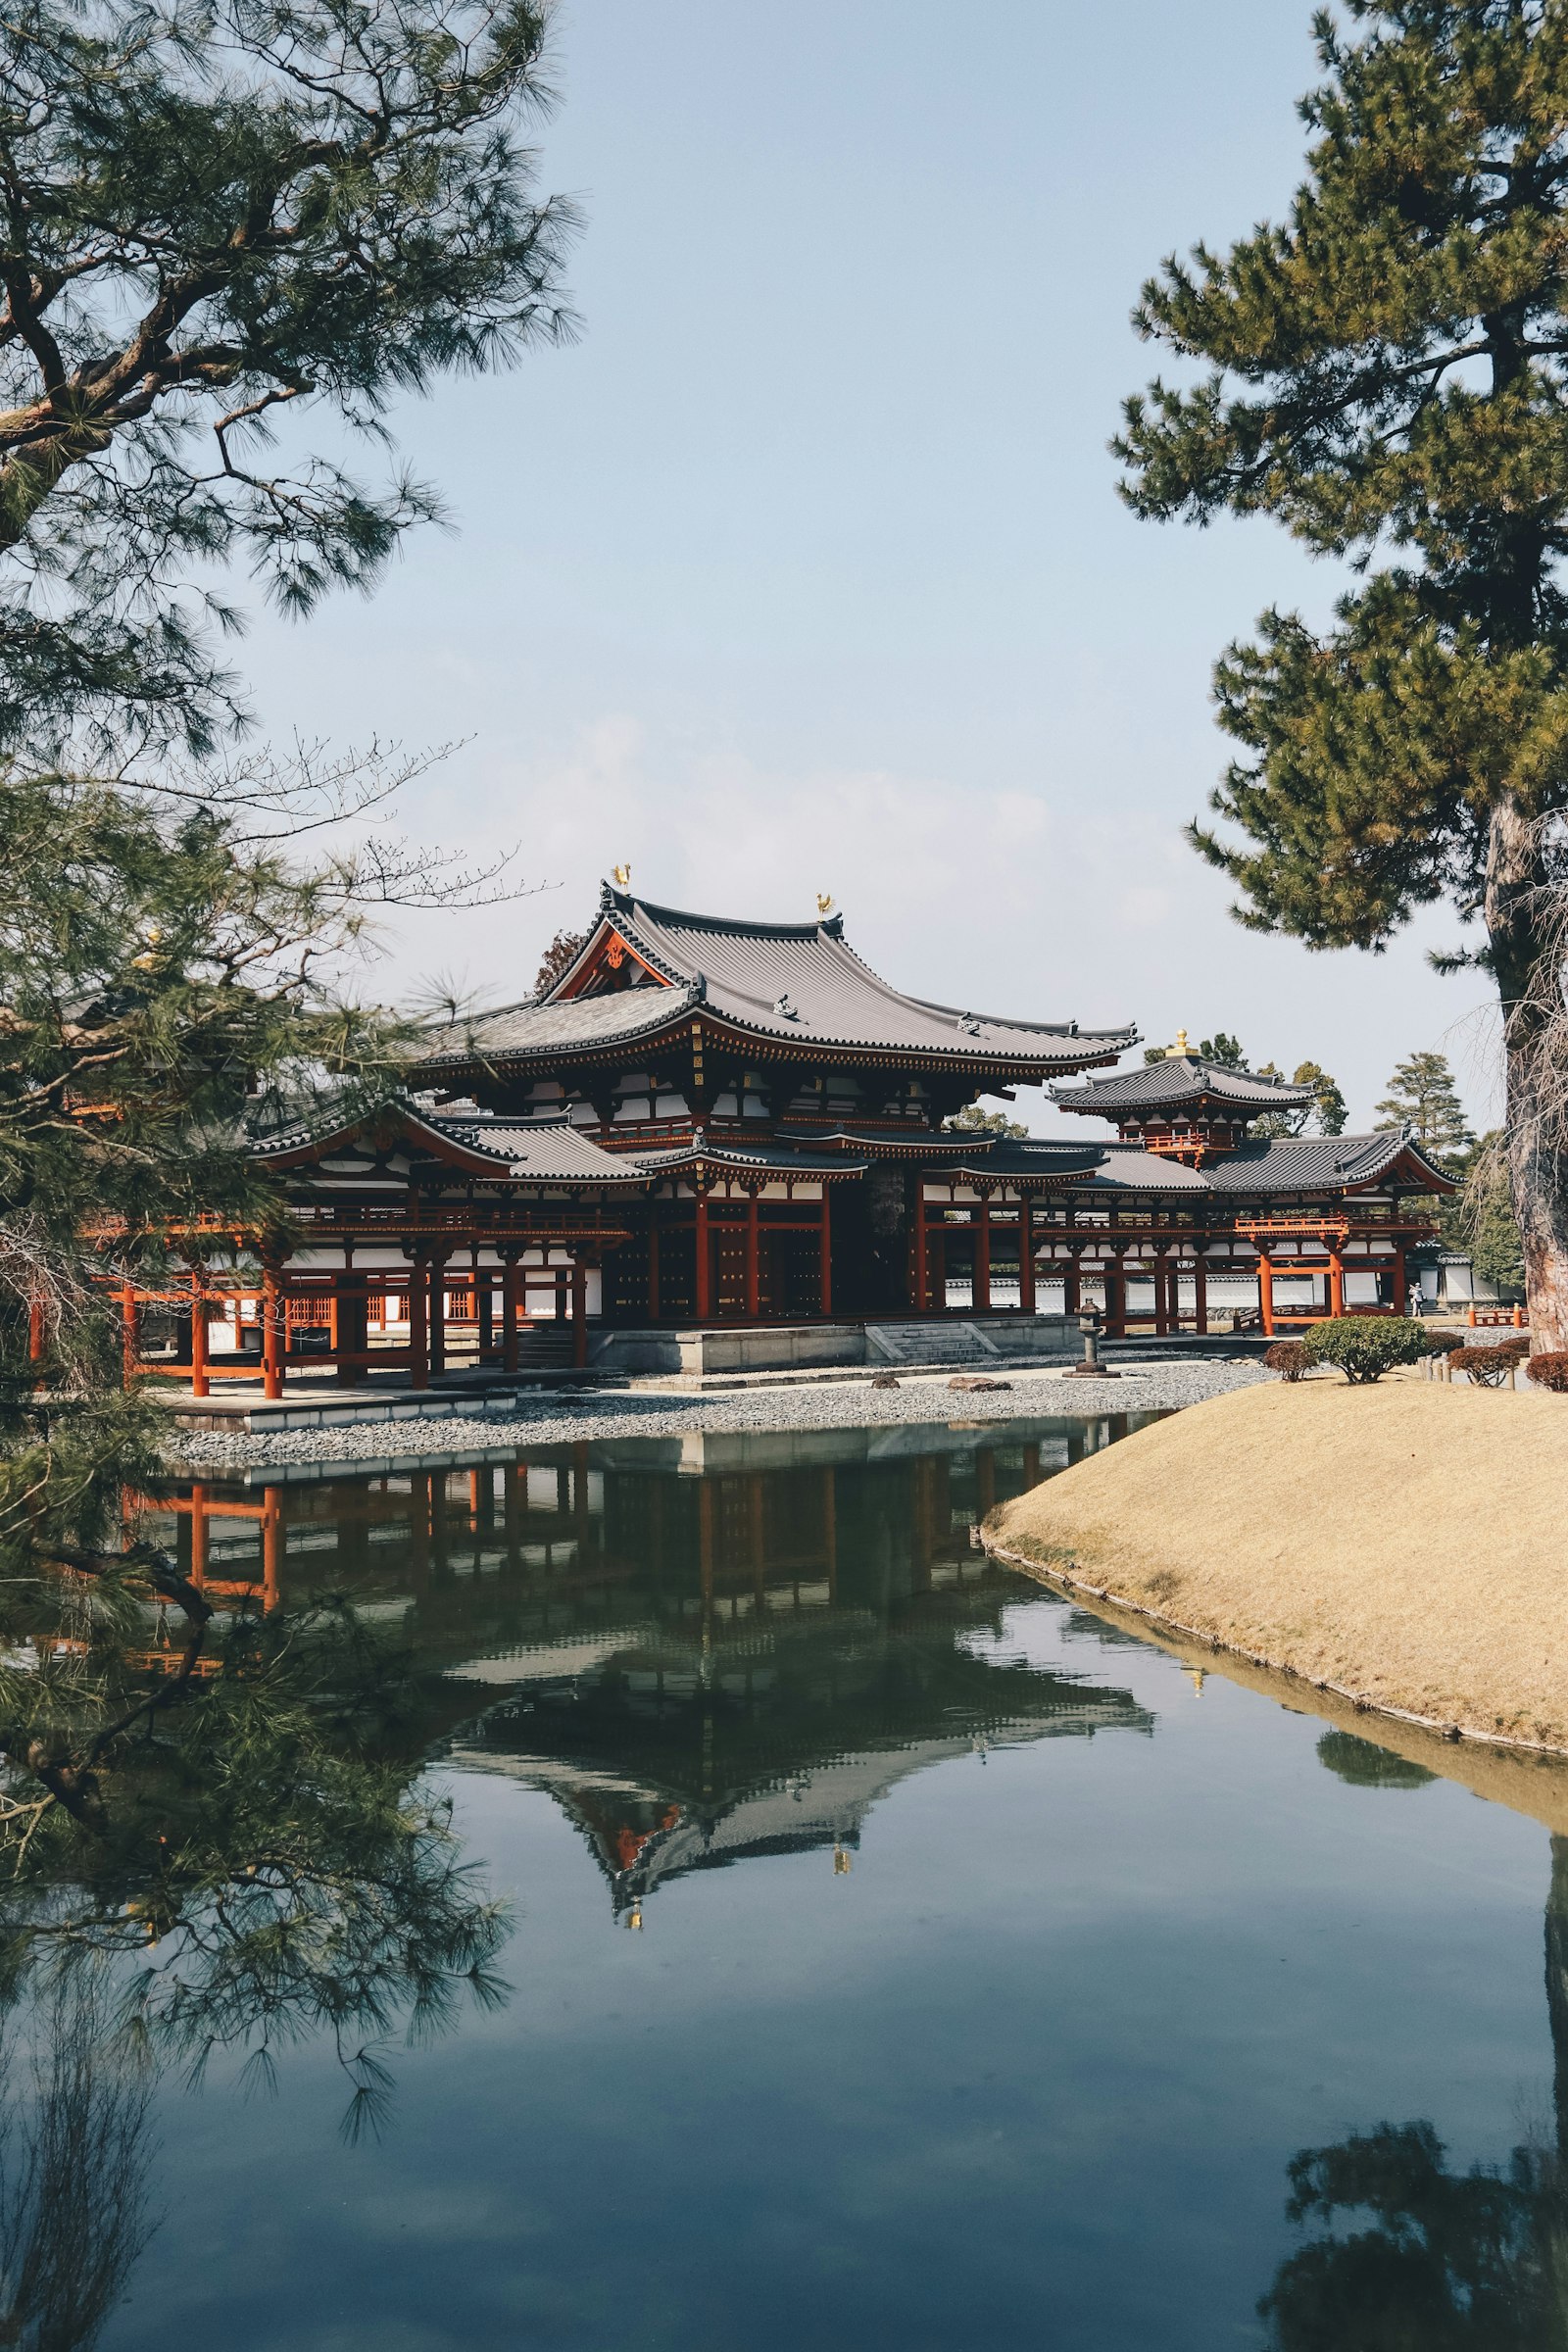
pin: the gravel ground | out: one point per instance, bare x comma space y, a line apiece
659, 1414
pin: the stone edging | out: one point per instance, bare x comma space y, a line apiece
1078, 1583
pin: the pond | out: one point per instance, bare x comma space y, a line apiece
897, 1956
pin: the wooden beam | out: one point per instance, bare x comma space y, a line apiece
198, 1338
922, 1279
275, 1331
754, 1286
824, 1253
580, 1313
1026, 1255
509, 1313
980, 1277
418, 1323
704, 1300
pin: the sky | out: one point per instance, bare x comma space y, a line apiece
803, 568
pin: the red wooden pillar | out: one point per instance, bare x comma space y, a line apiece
1201, 1295
1161, 1296
275, 1331
1026, 1255
754, 1278
705, 1259
509, 1313
1400, 1296
1336, 1283
198, 1535
198, 1338
130, 1327
922, 1281
824, 1248
1116, 1295
1071, 1288
418, 1324
352, 1317
1265, 1296
271, 1548
36, 1330
484, 1305
980, 1281
653, 1263
437, 1280
580, 1312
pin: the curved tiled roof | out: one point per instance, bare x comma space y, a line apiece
1181, 1079
553, 1025
545, 1150
795, 983
1333, 1162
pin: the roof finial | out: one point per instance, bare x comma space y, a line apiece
1180, 1048
825, 902
623, 874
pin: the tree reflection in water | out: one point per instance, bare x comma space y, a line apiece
1413, 2256
76, 2152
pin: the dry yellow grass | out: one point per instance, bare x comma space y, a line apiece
1406, 1543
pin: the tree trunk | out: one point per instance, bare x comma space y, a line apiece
1526, 957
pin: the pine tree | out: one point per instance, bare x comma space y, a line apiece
219, 214
1422, 1095
1225, 1051
972, 1120
1386, 376
1329, 1113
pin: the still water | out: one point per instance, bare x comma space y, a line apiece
897, 1956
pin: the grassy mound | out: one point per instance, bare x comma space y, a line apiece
1406, 1543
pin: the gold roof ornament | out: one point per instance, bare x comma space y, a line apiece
621, 874
841, 1862
1180, 1050
824, 901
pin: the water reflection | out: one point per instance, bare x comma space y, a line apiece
724, 1656
704, 1650
1410, 2255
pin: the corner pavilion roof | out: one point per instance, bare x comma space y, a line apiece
1264, 1164
1180, 1082
794, 984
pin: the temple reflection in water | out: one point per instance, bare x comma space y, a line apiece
705, 1649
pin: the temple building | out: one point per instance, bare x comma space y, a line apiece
713, 1125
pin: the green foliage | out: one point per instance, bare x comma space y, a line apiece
972, 1120
1365, 1346
1224, 1050
1479, 1222
223, 213
1412, 2254
1329, 1113
1362, 1764
1422, 1095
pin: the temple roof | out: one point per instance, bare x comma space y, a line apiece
790, 983
1177, 1082
545, 1150
1327, 1164
1307, 1163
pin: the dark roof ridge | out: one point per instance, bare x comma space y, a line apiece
630, 904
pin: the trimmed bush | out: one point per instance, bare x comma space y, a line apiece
1365, 1346
1491, 1366
1288, 1358
1550, 1370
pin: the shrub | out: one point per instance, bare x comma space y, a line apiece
1550, 1370
1365, 1346
1491, 1366
1288, 1358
